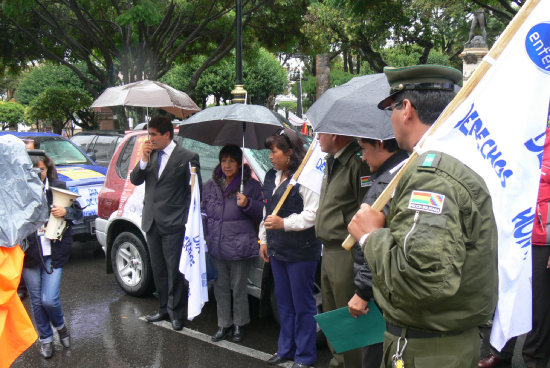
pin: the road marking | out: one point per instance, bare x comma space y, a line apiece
237, 348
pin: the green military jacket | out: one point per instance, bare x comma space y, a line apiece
344, 186
435, 264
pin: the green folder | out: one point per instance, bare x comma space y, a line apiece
347, 333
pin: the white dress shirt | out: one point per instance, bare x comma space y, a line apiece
163, 160
296, 221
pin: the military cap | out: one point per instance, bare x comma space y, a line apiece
419, 77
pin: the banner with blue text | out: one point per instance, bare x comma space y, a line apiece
499, 132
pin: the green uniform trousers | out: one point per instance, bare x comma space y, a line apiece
456, 351
337, 288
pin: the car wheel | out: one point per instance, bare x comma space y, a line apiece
131, 265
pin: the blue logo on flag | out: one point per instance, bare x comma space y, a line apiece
537, 45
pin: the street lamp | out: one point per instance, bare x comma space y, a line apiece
239, 93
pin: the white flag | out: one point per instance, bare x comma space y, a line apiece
313, 171
192, 261
295, 119
499, 131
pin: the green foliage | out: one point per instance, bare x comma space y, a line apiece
11, 114
37, 80
58, 105
263, 75
143, 11
288, 106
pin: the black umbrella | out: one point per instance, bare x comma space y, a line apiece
351, 109
246, 125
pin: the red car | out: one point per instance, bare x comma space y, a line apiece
118, 225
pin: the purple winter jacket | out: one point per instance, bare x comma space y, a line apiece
231, 232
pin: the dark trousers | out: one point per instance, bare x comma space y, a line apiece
294, 290
165, 253
536, 349
372, 355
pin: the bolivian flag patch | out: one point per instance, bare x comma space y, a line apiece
426, 201
366, 181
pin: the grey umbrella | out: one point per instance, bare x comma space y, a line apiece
147, 93
246, 125
351, 109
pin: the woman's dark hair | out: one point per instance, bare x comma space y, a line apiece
389, 145
286, 140
51, 172
233, 151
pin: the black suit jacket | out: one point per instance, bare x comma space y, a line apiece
167, 198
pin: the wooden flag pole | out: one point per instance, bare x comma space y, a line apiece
295, 177
193, 178
464, 92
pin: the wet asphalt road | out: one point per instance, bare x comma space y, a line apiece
108, 330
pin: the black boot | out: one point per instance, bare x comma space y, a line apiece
238, 333
221, 334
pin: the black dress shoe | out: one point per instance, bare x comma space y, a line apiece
492, 361
177, 324
301, 365
275, 359
221, 334
238, 333
157, 317
46, 350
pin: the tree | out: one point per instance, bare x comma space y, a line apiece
58, 106
11, 114
133, 39
263, 76
39, 79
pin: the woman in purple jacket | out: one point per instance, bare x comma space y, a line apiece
231, 232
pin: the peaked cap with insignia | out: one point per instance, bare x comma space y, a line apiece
419, 77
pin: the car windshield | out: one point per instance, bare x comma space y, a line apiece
63, 152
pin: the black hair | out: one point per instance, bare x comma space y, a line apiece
51, 171
389, 145
162, 124
233, 151
428, 103
286, 140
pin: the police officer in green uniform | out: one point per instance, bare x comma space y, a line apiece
344, 185
434, 264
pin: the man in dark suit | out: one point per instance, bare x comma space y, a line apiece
164, 167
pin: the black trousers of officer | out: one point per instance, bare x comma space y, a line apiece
165, 252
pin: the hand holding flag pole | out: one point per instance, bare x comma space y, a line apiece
464, 92
295, 177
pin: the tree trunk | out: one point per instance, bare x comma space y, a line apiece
345, 57
323, 74
358, 65
350, 62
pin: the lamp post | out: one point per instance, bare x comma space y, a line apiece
239, 93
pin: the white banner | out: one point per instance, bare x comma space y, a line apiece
312, 173
295, 119
192, 261
499, 132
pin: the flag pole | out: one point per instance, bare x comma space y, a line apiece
193, 177
464, 92
295, 178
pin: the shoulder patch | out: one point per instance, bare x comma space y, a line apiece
366, 181
426, 201
430, 160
